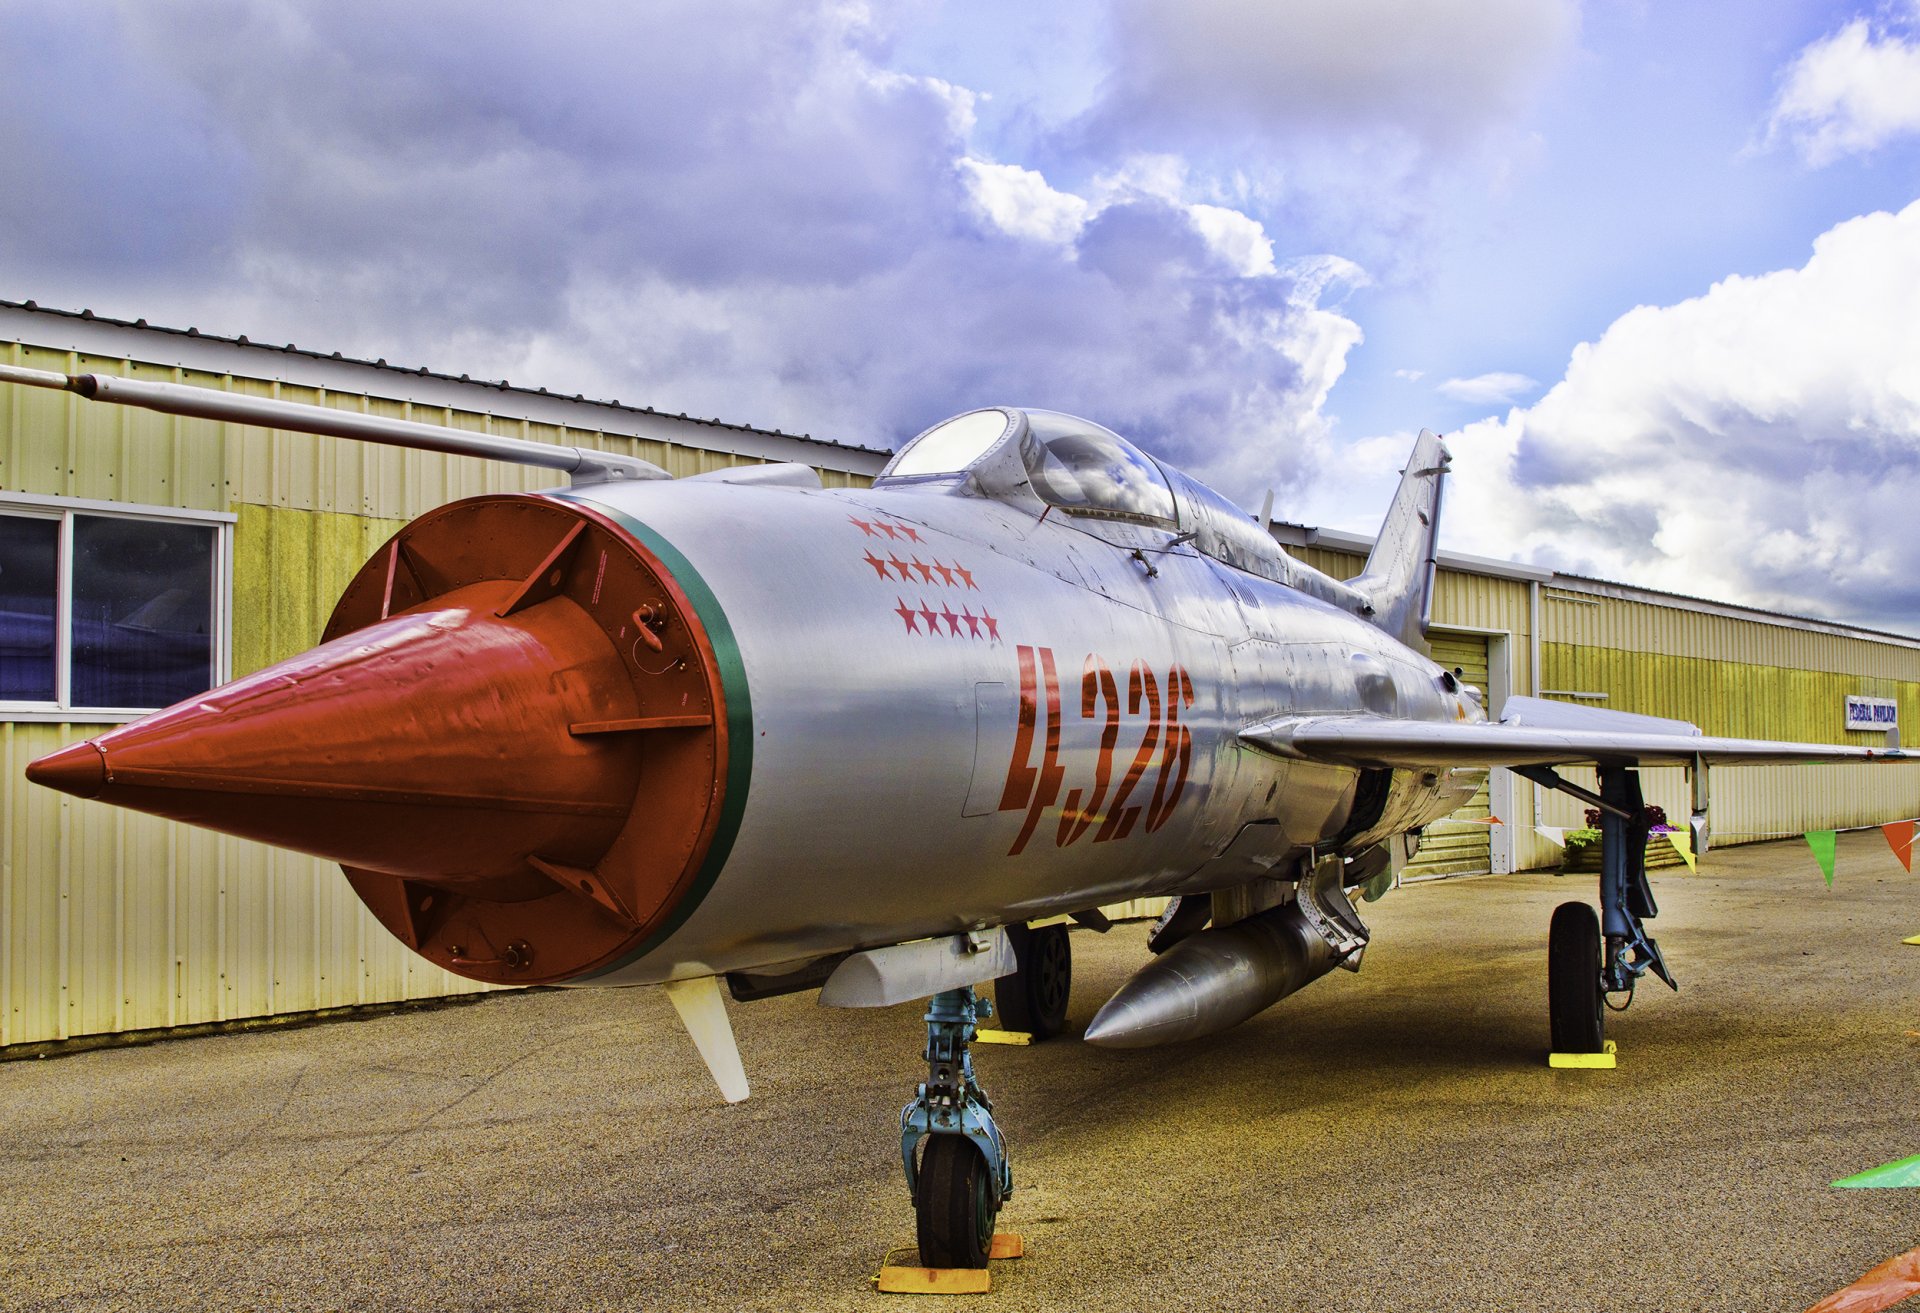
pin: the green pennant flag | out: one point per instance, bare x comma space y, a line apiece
1906, 1173
1822, 842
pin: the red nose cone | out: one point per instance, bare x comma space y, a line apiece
79, 769
512, 790
434, 745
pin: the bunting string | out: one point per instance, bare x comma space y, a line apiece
1900, 836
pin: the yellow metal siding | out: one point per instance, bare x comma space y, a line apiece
113, 921
56, 444
1591, 619
289, 568
1751, 700
1462, 844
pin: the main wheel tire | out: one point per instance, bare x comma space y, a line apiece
1575, 1004
955, 1201
1034, 998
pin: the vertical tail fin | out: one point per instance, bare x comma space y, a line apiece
1398, 580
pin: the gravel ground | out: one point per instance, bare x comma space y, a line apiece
1391, 1140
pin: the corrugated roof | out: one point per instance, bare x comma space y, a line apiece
423, 372
1343, 540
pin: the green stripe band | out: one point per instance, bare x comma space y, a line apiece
733, 691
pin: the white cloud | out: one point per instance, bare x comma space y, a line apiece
1237, 238
1021, 204
1849, 93
1759, 443
1484, 389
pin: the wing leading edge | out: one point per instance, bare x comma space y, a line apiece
1533, 732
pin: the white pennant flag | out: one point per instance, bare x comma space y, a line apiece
1555, 833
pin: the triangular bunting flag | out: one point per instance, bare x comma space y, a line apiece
1905, 1173
1900, 839
1552, 833
1912, 939
1823, 842
1683, 844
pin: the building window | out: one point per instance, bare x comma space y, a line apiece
107, 612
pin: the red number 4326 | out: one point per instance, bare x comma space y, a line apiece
1103, 807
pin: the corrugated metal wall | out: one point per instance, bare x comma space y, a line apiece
111, 921
114, 921
1463, 843
1740, 677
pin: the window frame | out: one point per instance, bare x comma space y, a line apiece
63, 510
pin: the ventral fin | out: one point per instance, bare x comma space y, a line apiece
703, 1011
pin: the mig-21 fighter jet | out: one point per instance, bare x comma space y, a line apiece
741, 735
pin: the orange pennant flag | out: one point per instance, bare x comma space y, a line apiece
1900, 839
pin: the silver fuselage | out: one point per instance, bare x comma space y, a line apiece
886, 717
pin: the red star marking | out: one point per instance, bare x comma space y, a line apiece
912, 533
906, 571
879, 566
953, 621
865, 527
966, 577
907, 614
931, 616
945, 572
993, 626
926, 571
887, 529
973, 622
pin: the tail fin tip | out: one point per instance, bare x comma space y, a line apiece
1398, 580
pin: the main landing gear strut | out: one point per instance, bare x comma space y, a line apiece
960, 1177
1590, 957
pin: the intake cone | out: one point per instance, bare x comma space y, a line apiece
513, 741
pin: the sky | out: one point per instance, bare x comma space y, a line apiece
1654, 269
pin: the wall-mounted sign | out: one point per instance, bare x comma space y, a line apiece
1872, 713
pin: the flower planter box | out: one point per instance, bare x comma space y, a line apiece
1585, 858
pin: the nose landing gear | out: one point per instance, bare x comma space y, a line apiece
960, 1178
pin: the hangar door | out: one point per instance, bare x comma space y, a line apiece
1463, 843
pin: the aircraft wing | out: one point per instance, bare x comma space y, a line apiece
1533, 732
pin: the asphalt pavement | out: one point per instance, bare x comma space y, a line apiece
1387, 1140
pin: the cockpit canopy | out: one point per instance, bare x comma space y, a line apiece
1069, 462
1041, 459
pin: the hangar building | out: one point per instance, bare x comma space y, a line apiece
143, 556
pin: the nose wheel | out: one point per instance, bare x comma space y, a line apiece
954, 1203
955, 1157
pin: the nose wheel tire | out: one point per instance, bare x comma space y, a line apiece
955, 1204
1575, 1004
1034, 998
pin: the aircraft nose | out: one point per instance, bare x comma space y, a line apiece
79, 769
432, 746
475, 761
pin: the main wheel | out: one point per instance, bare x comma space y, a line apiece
1574, 999
955, 1201
1034, 998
